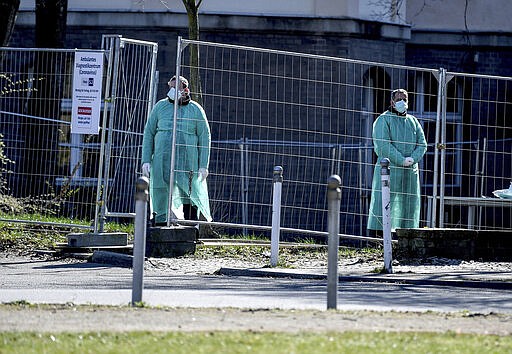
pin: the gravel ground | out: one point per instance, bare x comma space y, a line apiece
208, 260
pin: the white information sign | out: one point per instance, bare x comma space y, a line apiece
87, 81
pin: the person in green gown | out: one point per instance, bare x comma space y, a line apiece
193, 139
399, 137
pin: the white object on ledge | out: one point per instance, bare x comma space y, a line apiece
504, 193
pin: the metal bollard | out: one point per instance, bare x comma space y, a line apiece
333, 226
386, 215
139, 243
276, 214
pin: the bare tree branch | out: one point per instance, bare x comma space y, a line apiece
422, 8
466, 5
387, 9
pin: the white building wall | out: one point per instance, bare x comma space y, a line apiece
357, 9
444, 15
302, 8
453, 15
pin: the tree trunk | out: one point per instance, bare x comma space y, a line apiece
41, 130
8, 11
193, 33
51, 22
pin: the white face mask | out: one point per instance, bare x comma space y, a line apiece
401, 106
172, 93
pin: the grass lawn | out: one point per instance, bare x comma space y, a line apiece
252, 342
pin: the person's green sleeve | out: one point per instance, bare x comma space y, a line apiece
204, 139
421, 143
383, 145
148, 140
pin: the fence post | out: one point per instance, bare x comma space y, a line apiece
139, 243
386, 214
244, 161
333, 226
276, 214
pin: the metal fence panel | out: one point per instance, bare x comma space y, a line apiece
313, 116
310, 114
49, 168
131, 99
72, 175
476, 152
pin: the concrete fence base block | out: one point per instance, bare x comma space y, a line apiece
494, 245
97, 239
169, 242
455, 243
112, 258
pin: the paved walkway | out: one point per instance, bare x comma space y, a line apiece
195, 281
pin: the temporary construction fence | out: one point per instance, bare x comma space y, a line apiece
131, 93
49, 170
310, 114
474, 146
313, 116
35, 111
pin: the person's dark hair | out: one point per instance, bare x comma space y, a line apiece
394, 92
183, 80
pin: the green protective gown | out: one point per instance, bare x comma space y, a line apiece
193, 141
397, 137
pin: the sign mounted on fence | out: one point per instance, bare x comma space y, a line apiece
87, 82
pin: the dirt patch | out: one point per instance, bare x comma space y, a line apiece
69, 318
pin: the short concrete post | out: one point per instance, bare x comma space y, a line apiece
276, 214
333, 226
139, 243
386, 215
